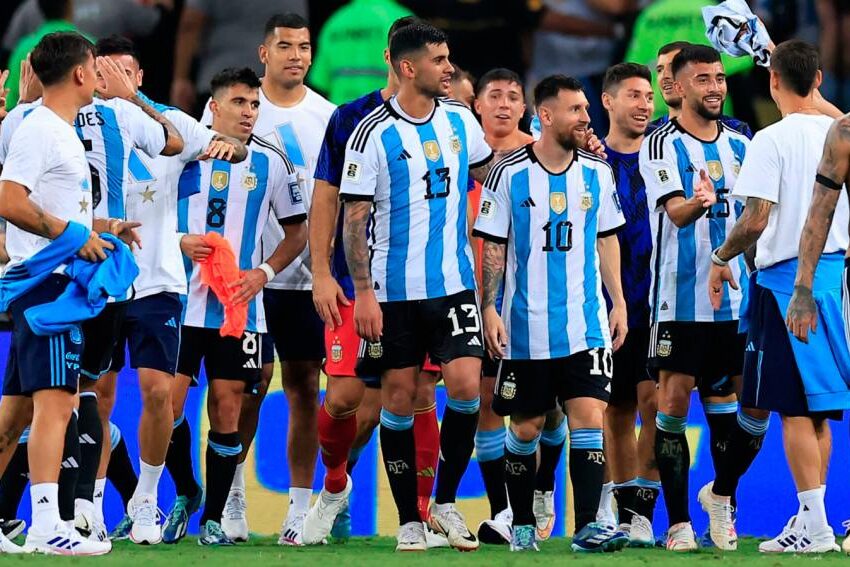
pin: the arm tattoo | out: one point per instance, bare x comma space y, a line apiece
356, 248
493, 270
815, 231
240, 150
155, 115
748, 229
480, 172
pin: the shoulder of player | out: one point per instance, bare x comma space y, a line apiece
370, 123
511, 161
320, 103
734, 125
592, 160
734, 133
653, 145
257, 144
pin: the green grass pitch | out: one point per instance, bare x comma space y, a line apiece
379, 551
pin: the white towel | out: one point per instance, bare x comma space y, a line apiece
733, 29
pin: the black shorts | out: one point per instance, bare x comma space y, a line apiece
224, 358
772, 378
267, 354
534, 387
41, 363
151, 332
102, 334
630, 366
489, 366
446, 328
711, 352
294, 326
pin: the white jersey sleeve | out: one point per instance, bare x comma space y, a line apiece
494, 214
761, 171
10, 125
286, 199
360, 170
206, 117
479, 151
196, 138
146, 133
610, 211
28, 158
660, 173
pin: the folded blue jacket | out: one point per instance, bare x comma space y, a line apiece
90, 285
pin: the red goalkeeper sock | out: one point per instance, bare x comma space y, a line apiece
426, 431
336, 436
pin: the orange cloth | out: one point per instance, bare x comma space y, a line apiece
219, 271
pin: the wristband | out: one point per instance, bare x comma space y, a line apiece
827, 182
268, 270
716, 260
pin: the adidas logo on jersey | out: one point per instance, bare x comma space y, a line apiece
251, 363
664, 306
171, 323
528, 203
403, 155
70, 463
751, 347
473, 342
86, 439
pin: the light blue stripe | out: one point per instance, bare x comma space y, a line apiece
114, 435
435, 281
628, 483
214, 316
686, 269
137, 167
25, 436
179, 421
291, 145
254, 220
518, 447
463, 406
521, 219
224, 450
62, 365
671, 424
467, 273
555, 437
718, 408
396, 422
717, 227
489, 445
646, 483
52, 362
113, 147
593, 333
189, 184
556, 273
399, 220
586, 439
753, 425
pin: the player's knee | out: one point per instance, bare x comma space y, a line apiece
398, 398
647, 402
523, 437
675, 401
671, 423
341, 402
157, 395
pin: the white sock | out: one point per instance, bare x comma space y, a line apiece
45, 507
299, 499
99, 489
813, 511
148, 479
83, 507
239, 477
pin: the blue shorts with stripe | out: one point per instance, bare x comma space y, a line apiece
151, 330
41, 363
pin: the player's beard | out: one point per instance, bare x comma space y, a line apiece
568, 141
703, 111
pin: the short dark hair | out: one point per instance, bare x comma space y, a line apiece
673, 46
57, 54
694, 54
289, 20
550, 86
797, 63
412, 38
618, 73
116, 45
54, 9
233, 76
460, 74
400, 23
499, 74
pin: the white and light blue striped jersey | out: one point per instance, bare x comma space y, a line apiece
416, 174
235, 200
553, 305
670, 163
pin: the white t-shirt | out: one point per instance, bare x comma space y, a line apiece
297, 131
781, 165
46, 156
152, 200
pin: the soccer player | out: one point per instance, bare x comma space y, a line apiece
413, 278
151, 326
689, 166
43, 186
799, 379
627, 96
233, 200
462, 87
556, 339
351, 408
293, 119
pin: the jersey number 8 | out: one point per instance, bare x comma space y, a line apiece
215, 212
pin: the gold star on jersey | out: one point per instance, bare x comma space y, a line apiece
147, 195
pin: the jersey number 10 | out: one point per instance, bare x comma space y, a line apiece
562, 237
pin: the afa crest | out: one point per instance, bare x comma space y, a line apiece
508, 389
586, 201
715, 169
219, 180
249, 181
336, 351
558, 202
375, 350
432, 150
455, 144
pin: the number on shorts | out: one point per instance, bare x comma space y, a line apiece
471, 311
250, 344
602, 364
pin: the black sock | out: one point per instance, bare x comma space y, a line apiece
493, 474
550, 456
178, 460
70, 471
91, 442
14, 483
457, 440
120, 472
746, 442
399, 450
674, 461
587, 471
520, 472
645, 498
722, 423
222, 454
625, 497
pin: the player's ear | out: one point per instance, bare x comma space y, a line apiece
818, 79
407, 69
476, 106
677, 86
387, 56
140, 77
213, 106
606, 101
263, 53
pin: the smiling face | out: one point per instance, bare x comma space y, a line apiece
287, 54
500, 105
235, 109
630, 106
565, 117
702, 87
664, 71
